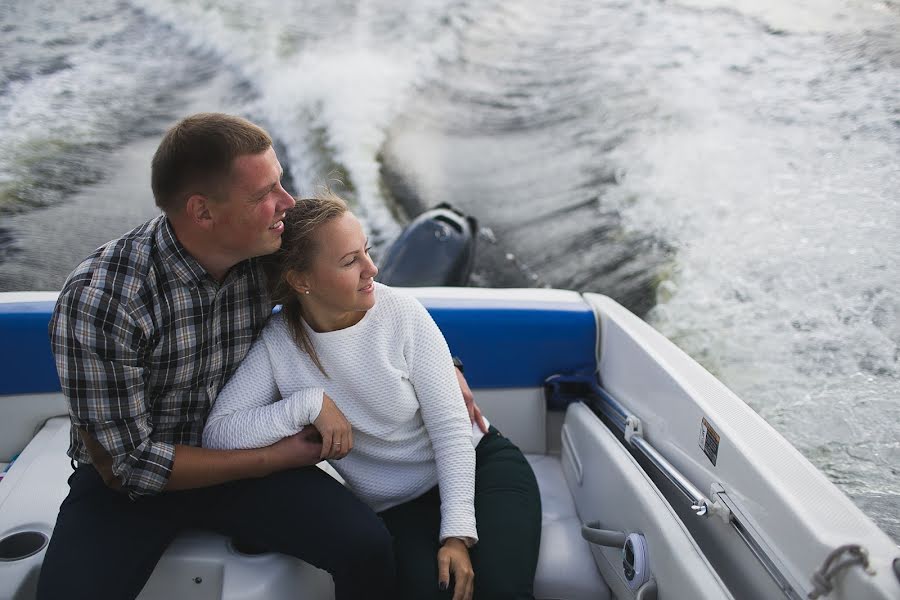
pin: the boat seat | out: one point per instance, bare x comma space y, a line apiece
36, 484
566, 568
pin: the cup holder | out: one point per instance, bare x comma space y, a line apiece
22, 545
247, 548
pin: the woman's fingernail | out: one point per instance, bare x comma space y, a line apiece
443, 585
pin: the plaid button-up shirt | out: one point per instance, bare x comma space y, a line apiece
144, 339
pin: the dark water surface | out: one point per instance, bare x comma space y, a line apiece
728, 170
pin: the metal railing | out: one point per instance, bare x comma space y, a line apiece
631, 429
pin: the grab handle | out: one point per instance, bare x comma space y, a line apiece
572, 454
592, 533
647, 591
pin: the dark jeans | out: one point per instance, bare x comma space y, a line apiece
106, 546
508, 514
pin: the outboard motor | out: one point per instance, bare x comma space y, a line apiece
437, 248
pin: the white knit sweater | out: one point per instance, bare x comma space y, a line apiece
392, 376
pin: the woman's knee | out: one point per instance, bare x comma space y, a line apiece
499, 459
369, 551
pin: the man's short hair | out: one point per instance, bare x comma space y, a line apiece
196, 154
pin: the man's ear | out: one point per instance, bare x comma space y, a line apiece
197, 210
299, 282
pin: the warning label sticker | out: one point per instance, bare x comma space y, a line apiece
709, 441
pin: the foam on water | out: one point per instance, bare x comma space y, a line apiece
741, 155
804, 16
69, 95
775, 175
758, 144
329, 82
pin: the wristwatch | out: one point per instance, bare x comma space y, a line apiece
458, 364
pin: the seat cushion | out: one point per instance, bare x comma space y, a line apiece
566, 568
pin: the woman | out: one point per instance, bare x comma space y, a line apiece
348, 351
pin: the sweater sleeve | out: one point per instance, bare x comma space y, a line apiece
250, 412
444, 413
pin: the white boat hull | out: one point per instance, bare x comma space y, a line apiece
790, 516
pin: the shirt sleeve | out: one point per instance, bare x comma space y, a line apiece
97, 348
249, 412
444, 413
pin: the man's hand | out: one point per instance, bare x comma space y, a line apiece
474, 411
453, 557
100, 458
299, 450
337, 435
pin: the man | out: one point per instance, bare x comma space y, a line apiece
145, 333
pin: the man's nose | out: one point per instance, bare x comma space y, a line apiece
286, 202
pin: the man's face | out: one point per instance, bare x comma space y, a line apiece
248, 219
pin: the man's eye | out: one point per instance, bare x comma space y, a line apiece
368, 248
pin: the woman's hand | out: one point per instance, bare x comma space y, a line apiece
453, 557
337, 435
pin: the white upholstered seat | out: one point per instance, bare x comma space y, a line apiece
566, 568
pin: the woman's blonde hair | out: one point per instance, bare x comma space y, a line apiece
299, 247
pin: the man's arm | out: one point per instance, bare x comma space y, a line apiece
97, 347
202, 467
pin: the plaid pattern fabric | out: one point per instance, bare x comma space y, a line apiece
144, 339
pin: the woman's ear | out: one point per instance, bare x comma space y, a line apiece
299, 282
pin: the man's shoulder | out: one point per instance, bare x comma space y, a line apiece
120, 267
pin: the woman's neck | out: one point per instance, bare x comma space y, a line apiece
322, 319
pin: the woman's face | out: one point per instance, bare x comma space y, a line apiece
341, 278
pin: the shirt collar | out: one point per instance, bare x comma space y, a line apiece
175, 257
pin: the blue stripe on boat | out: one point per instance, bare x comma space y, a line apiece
502, 343
517, 346
26, 364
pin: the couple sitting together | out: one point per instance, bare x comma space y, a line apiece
191, 408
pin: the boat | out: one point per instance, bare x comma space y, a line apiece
656, 480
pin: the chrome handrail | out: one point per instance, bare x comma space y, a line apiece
623, 420
699, 503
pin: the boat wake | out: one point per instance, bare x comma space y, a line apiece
727, 172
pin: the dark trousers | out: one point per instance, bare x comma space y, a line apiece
508, 515
106, 545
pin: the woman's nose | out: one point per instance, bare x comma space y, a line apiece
371, 269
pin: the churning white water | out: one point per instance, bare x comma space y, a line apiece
728, 169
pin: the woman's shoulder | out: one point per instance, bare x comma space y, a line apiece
398, 302
276, 329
